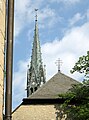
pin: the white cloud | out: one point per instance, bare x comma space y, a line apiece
18, 26
21, 6
19, 83
20, 15
23, 9
77, 17
67, 2
24, 14
47, 18
75, 43
48, 15
87, 14
70, 1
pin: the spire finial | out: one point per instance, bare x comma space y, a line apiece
59, 63
36, 13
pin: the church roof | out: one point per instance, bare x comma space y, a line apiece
59, 83
48, 93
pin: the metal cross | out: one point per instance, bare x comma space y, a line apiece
59, 63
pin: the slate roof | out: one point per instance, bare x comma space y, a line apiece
58, 84
48, 93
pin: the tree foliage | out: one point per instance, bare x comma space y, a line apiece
78, 92
82, 66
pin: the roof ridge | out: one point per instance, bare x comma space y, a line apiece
59, 83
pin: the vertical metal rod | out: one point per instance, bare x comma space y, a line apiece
9, 60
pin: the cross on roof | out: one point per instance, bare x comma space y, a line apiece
59, 63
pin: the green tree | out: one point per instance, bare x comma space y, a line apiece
78, 92
82, 66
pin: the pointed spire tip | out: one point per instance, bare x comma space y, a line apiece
36, 14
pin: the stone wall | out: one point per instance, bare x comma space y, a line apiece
2, 38
35, 112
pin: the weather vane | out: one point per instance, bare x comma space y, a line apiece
36, 13
59, 63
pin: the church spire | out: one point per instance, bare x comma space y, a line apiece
36, 72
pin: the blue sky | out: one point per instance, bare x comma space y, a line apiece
63, 33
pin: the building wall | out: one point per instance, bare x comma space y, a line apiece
2, 36
36, 112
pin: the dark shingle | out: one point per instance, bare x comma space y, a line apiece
58, 84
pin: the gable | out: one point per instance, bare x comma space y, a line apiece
58, 84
